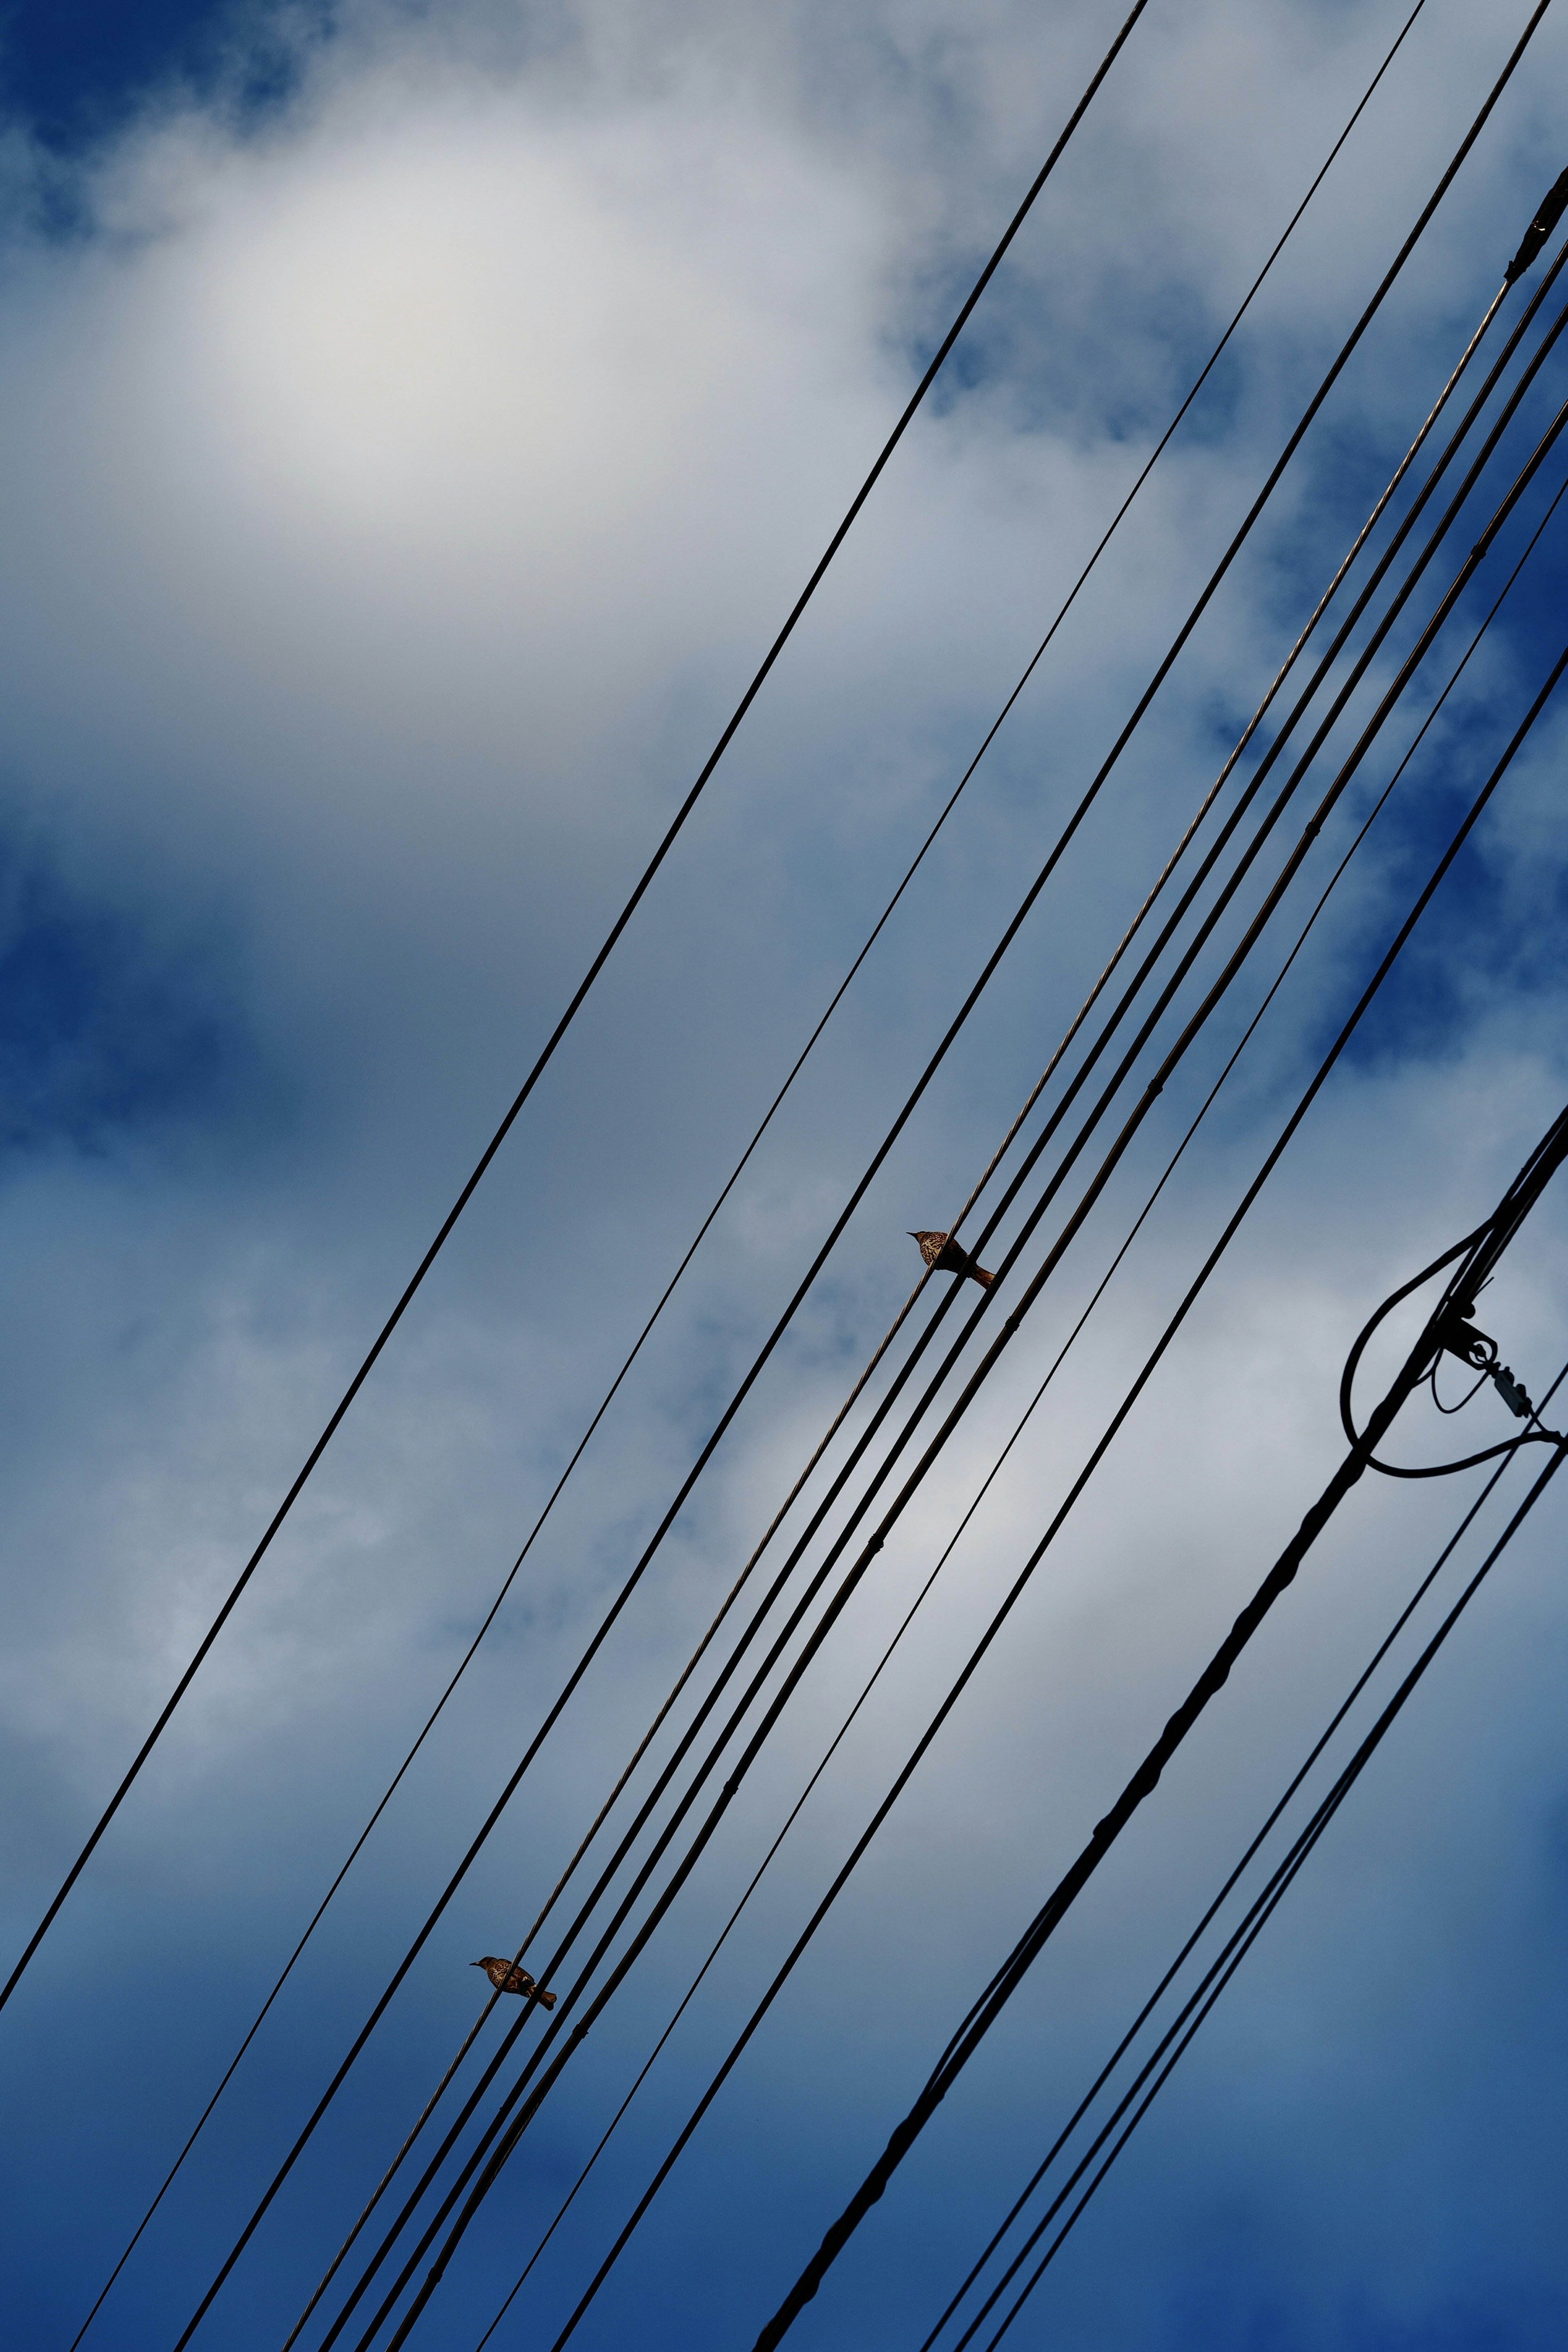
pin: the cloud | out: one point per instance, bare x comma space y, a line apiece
403, 478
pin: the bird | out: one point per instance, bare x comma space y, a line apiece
942, 1255
506, 1977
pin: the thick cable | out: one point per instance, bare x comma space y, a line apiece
579, 998
1219, 572
1019, 1428
1064, 1510
1144, 1780
1408, 669
1152, 2003
1284, 1878
558, 2019
1332, 372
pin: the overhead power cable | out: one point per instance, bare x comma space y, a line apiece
558, 2019
1195, 1937
1081, 1482
1237, 1947
579, 998
1480, 1253
555, 2027
1294, 441
755, 1139
1019, 1428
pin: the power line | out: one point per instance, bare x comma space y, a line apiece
1018, 1430
558, 2020
1478, 1253
1209, 1916
1262, 1910
1219, 572
1010, 1600
579, 998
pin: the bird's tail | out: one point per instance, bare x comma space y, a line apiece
982, 1277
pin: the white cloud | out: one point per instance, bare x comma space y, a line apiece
399, 487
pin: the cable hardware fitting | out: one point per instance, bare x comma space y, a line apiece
1457, 1336
1555, 203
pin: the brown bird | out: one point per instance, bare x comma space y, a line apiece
506, 1977
943, 1255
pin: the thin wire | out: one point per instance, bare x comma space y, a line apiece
840, 1599
1046, 1921
1313, 408
1470, 1393
1219, 572
1286, 1876
1029, 1411
1216, 1905
585, 985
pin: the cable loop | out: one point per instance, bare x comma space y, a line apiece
1456, 1294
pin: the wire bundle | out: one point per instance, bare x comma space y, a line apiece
1204, 921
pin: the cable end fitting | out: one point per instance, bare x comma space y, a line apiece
1553, 206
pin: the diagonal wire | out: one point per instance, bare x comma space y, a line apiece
1212, 1914
1264, 1909
1263, 495
976, 1381
1019, 1429
566, 1018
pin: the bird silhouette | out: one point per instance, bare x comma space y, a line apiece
942, 1255
506, 1977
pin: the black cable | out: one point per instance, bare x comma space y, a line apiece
1209, 1916
1039, 1392
1530, 1437
1021, 1424
1219, 572
757, 1137
1469, 1395
564, 1023
558, 2020
1406, 671
1102, 1447
1479, 1257
1263, 1910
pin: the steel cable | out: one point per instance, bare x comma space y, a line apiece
1034, 1402
1209, 1918
1369, 733
1269, 486
1480, 1254
1241, 1943
574, 1006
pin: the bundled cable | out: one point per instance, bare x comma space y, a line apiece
1267, 490
991, 1475
1201, 2001
1189, 1946
580, 997
1388, 701
1479, 1255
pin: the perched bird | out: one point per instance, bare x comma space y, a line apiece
506, 1977
943, 1255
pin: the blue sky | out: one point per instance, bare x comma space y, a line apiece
418, 421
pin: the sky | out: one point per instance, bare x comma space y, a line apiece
418, 423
